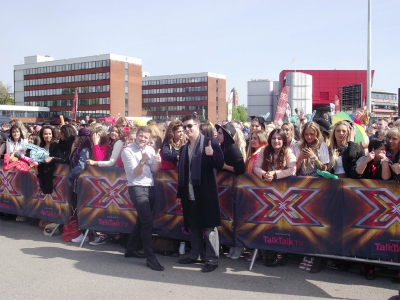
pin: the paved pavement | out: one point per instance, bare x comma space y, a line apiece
34, 266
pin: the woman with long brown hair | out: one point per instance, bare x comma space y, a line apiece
174, 140
275, 162
114, 147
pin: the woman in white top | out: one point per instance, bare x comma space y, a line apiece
116, 145
14, 141
311, 152
344, 153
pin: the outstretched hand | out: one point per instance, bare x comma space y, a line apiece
209, 150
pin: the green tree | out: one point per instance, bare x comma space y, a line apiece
239, 113
5, 97
242, 113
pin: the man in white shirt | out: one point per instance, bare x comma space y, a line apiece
140, 163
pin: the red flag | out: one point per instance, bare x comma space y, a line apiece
281, 107
337, 103
74, 105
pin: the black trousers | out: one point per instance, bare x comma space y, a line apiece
143, 200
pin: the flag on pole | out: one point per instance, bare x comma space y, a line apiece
74, 105
230, 101
337, 104
281, 107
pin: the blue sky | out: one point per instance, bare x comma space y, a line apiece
243, 40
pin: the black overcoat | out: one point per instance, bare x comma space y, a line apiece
206, 194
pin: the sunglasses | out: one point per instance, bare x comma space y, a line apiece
189, 126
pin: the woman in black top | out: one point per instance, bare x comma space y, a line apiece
344, 153
232, 156
48, 137
375, 165
67, 138
234, 163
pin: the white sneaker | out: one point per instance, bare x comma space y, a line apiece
182, 247
231, 251
238, 252
304, 263
310, 264
79, 239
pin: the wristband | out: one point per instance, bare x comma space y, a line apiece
385, 159
318, 163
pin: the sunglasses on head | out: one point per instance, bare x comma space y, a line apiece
189, 126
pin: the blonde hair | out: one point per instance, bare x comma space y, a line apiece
291, 129
262, 138
240, 141
396, 123
21, 125
333, 146
314, 146
269, 128
154, 129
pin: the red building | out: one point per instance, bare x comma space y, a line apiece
326, 84
107, 85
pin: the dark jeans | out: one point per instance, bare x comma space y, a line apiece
197, 239
143, 200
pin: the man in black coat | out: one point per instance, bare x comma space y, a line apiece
197, 191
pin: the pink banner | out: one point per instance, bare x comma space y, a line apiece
281, 107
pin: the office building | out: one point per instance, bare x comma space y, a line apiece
107, 85
174, 96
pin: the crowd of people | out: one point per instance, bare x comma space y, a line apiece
197, 150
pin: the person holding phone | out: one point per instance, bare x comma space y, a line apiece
311, 152
374, 165
344, 153
116, 143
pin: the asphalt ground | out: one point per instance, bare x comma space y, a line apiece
34, 266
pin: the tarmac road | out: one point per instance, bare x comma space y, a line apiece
34, 266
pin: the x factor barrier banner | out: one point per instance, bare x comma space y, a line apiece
103, 200
371, 219
20, 195
168, 220
294, 215
313, 215
298, 214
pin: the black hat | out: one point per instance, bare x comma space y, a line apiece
228, 128
261, 119
323, 125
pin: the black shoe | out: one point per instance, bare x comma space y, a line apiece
136, 254
209, 268
188, 260
154, 265
370, 274
278, 260
317, 266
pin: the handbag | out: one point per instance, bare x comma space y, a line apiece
71, 229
